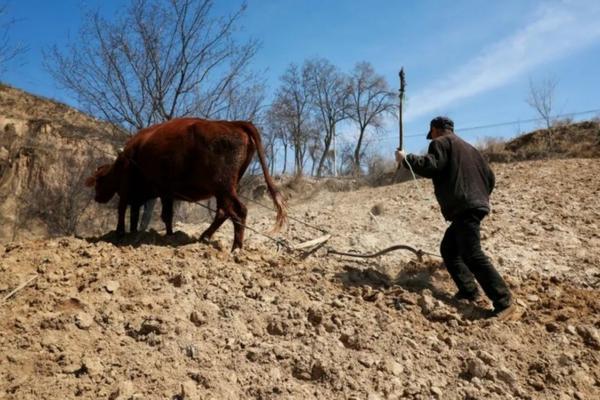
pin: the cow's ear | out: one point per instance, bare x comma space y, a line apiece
91, 181
122, 161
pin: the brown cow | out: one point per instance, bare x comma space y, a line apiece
187, 159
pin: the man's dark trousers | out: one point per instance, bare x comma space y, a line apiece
464, 259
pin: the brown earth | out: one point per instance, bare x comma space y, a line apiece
47, 149
564, 140
170, 318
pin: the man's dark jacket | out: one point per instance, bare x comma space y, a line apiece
461, 177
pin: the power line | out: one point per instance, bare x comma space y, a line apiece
520, 121
527, 120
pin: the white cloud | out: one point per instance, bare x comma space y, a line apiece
556, 30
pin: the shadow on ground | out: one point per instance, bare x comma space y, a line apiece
414, 278
150, 237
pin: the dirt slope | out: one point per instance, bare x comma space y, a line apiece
47, 149
171, 318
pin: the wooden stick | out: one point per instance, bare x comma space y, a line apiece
21, 286
401, 96
312, 243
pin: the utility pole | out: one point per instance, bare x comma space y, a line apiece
401, 97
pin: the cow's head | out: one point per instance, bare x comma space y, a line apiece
107, 180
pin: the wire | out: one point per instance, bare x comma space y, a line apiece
289, 216
508, 123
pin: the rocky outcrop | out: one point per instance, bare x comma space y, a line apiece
47, 149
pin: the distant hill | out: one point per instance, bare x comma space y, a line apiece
566, 140
47, 149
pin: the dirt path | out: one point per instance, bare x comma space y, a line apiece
175, 319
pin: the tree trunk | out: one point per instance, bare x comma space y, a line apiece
327, 144
357, 151
272, 166
284, 159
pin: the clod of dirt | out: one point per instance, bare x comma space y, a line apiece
83, 320
378, 209
178, 280
198, 319
351, 341
590, 336
315, 316
475, 368
124, 391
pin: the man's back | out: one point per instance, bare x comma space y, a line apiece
462, 178
467, 180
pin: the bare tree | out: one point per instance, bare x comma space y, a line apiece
315, 149
330, 94
242, 101
370, 99
291, 109
160, 59
277, 130
347, 163
60, 207
541, 99
269, 139
8, 49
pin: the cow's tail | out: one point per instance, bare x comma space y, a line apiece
277, 197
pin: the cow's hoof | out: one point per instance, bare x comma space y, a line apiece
205, 240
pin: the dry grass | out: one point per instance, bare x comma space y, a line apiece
564, 140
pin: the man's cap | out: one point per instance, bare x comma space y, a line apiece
440, 123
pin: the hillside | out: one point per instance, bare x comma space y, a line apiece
564, 140
47, 149
156, 318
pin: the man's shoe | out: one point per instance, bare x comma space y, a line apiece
473, 296
505, 313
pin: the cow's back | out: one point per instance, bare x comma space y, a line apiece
190, 157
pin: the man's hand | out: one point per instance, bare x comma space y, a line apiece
400, 156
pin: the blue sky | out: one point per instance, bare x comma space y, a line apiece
469, 59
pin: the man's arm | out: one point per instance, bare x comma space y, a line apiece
431, 163
491, 180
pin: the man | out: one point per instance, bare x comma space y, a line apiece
149, 209
463, 182
147, 214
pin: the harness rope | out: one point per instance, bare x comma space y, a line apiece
419, 253
283, 243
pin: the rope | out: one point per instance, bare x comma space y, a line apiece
415, 180
278, 241
282, 243
289, 216
419, 253
419, 186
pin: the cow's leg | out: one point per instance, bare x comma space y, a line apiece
220, 217
134, 216
167, 213
238, 212
121, 217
